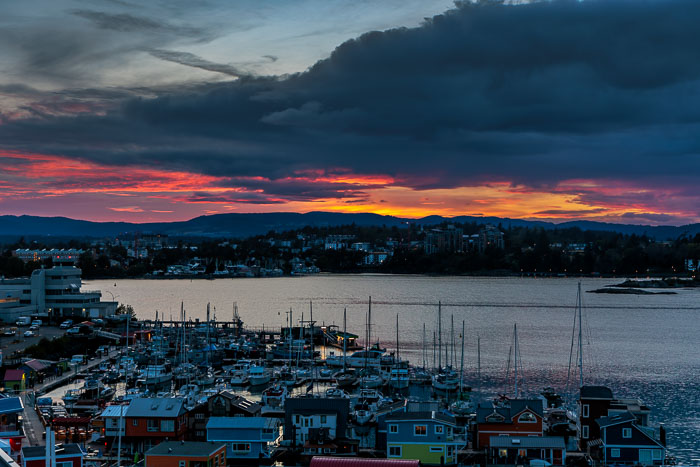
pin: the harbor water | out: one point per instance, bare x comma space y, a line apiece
643, 346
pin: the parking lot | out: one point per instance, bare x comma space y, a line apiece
9, 344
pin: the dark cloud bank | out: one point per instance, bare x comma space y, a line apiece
533, 94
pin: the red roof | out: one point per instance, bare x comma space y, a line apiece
320, 461
13, 375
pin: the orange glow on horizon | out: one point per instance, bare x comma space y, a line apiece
145, 194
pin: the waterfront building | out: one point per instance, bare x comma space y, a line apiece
517, 417
222, 404
186, 454
151, 420
426, 436
11, 430
623, 441
593, 403
522, 450
53, 294
67, 455
248, 438
69, 256
318, 425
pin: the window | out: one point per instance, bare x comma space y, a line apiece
151, 425
324, 418
297, 419
584, 432
615, 452
657, 454
167, 425
502, 453
64, 464
527, 417
199, 416
393, 428
182, 464
627, 432
438, 429
394, 451
240, 447
135, 422
435, 448
420, 430
586, 410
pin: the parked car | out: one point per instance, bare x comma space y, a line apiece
29, 333
33, 327
66, 324
103, 350
73, 331
9, 332
37, 322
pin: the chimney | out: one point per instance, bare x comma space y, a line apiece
662, 434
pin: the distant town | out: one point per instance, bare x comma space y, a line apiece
466, 248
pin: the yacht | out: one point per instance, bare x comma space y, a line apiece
259, 375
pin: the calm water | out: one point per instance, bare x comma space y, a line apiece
640, 345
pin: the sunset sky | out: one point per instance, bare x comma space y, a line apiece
557, 110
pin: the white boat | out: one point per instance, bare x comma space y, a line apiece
274, 396
371, 381
259, 375
337, 393
447, 380
154, 374
399, 378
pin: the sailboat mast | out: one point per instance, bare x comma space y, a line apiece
515, 356
423, 346
580, 338
345, 336
439, 335
461, 366
478, 366
290, 338
397, 338
208, 344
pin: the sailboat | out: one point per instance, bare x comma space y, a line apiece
463, 404
447, 379
345, 378
399, 378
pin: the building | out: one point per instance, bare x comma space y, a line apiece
624, 442
520, 450
222, 404
67, 455
149, 421
318, 425
426, 436
52, 293
69, 256
245, 437
11, 431
490, 237
518, 417
448, 240
321, 461
186, 454
594, 402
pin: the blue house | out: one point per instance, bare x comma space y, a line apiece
245, 437
623, 441
426, 436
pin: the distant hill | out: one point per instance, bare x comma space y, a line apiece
244, 225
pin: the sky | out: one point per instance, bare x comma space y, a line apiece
112, 110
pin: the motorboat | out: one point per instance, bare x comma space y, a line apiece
259, 375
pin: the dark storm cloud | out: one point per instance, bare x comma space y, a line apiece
533, 94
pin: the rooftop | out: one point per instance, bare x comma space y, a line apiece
185, 448
241, 422
39, 452
169, 407
421, 416
527, 442
615, 419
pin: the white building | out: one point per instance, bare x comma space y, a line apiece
52, 293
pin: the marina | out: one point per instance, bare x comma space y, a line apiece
193, 362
